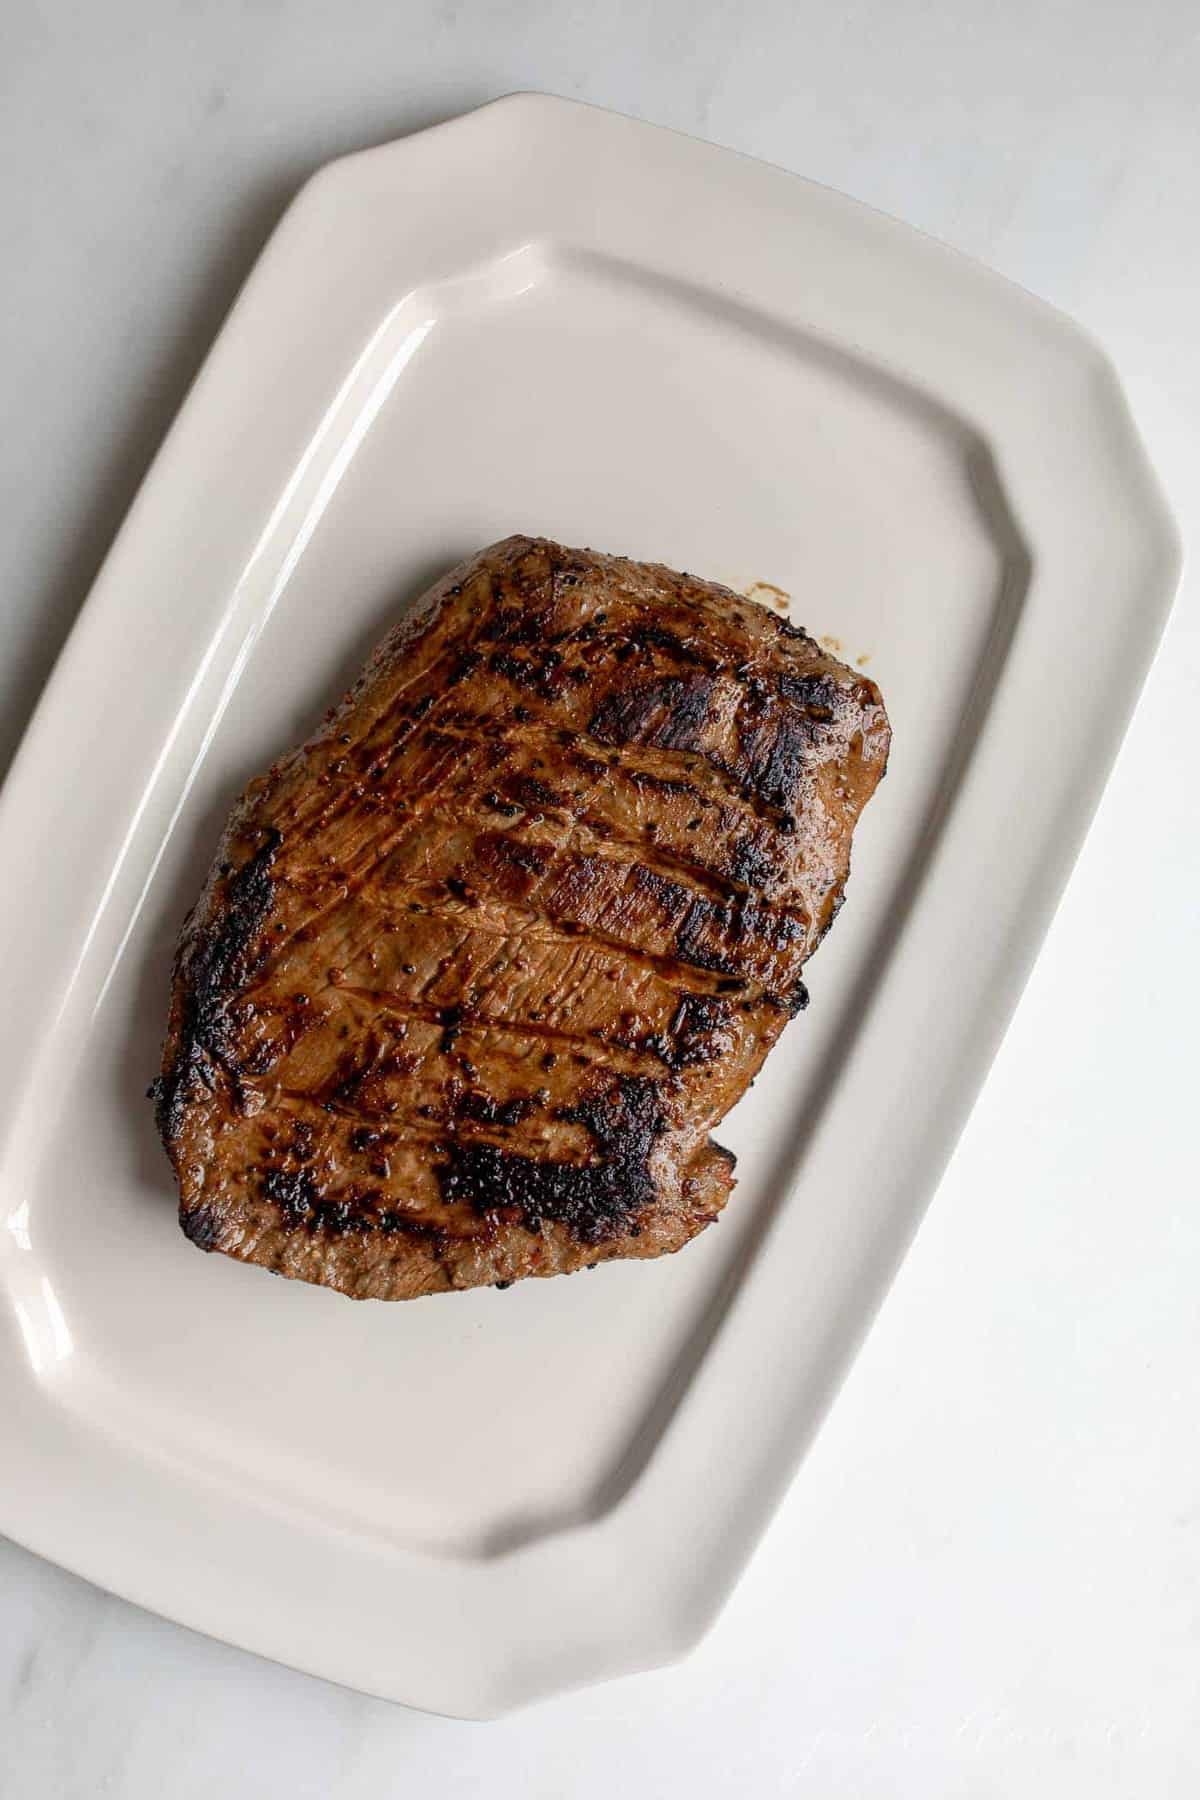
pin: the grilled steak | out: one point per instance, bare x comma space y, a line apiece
479, 967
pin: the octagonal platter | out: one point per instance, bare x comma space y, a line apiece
544, 318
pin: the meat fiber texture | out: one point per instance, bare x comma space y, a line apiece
480, 966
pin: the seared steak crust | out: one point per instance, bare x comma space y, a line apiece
479, 967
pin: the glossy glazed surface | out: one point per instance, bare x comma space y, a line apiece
971, 534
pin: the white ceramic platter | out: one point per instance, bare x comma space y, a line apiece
549, 319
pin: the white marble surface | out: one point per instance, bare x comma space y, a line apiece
987, 1580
